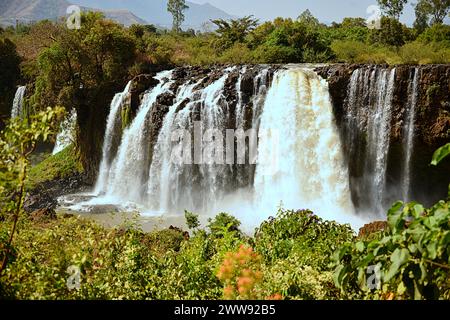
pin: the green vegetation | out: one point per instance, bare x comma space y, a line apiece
409, 261
125, 263
82, 69
295, 255
17, 141
59, 166
393, 8
176, 8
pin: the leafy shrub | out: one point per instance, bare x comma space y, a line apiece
436, 33
221, 222
191, 220
295, 281
349, 50
422, 53
411, 260
301, 232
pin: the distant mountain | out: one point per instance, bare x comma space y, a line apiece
125, 17
155, 11
35, 10
32, 10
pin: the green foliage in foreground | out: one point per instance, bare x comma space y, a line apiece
409, 261
441, 154
126, 263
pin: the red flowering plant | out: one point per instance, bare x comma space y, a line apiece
241, 274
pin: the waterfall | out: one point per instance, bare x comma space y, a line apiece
129, 170
186, 165
66, 133
308, 170
367, 131
17, 107
201, 184
240, 108
409, 133
112, 136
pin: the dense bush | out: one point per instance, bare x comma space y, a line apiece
125, 263
410, 261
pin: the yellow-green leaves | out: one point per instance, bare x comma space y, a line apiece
398, 258
440, 154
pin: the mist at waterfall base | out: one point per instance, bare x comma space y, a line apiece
292, 108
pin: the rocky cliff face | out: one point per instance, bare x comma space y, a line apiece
431, 125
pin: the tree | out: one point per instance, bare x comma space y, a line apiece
82, 69
354, 23
392, 8
9, 74
307, 18
176, 8
391, 33
17, 142
432, 11
234, 30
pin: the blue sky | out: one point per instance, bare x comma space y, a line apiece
325, 10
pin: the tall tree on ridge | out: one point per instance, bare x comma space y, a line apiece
392, 8
432, 11
176, 8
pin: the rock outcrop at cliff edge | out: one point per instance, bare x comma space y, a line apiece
431, 125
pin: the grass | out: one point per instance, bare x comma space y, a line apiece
62, 165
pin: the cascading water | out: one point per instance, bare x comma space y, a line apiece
66, 133
409, 129
17, 107
128, 173
367, 134
306, 170
112, 136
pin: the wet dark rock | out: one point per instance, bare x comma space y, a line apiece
183, 104
45, 195
140, 84
165, 99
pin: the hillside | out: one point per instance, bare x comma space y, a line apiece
155, 11
34, 10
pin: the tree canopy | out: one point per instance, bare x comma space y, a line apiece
393, 8
176, 9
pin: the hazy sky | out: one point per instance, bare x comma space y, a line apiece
325, 10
